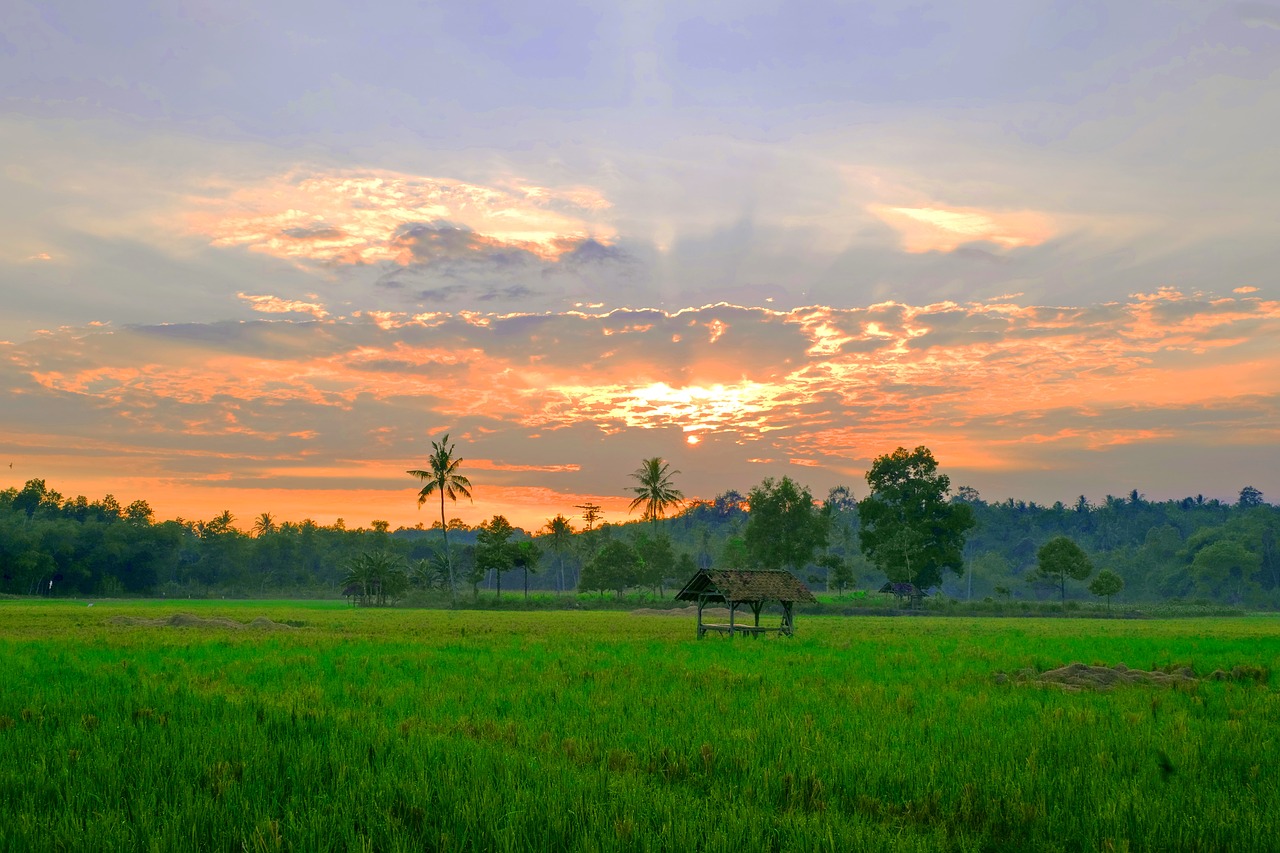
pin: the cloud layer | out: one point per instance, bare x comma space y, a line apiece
555, 404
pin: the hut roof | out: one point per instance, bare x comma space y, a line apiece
903, 589
728, 585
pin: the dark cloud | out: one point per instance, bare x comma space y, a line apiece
593, 252
438, 294
319, 231
510, 293
459, 265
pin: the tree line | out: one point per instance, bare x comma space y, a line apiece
910, 534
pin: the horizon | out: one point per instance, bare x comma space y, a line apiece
256, 261
619, 516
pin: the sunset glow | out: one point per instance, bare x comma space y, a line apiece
754, 243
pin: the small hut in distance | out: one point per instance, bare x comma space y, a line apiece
753, 587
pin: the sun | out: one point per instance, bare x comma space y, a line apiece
693, 439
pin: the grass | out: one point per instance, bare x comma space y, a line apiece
398, 730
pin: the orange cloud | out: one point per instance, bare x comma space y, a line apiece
275, 305
490, 465
361, 217
993, 387
941, 229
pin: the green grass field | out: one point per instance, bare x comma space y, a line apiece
399, 730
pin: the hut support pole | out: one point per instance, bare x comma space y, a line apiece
788, 623
702, 602
733, 608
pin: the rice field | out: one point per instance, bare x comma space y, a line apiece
126, 726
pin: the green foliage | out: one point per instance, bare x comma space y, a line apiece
430, 573
686, 566
785, 528
379, 577
734, 554
1226, 569
615, 566
657, 560
1061, 558
1106, 584
839, 572
909, 530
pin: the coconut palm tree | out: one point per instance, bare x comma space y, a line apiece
559, 532
443, 477
656, 492
264, 524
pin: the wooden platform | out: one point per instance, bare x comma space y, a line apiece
741, 629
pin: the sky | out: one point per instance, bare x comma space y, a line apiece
256, 256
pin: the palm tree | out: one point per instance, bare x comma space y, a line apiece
656, 491
264, 524
559, 531
443, 477
378, 575
430, 573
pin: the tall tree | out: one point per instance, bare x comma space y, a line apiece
559, 532
1061, 558
493, 548
785, 527
442, 477
908, 528
656, 493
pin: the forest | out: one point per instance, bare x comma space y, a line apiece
1189, 550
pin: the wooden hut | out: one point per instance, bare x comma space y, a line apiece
753, 587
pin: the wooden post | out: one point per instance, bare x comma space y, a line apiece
702, 602
787, 623
733, 608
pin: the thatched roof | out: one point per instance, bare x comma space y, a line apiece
903, 589
740, 585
